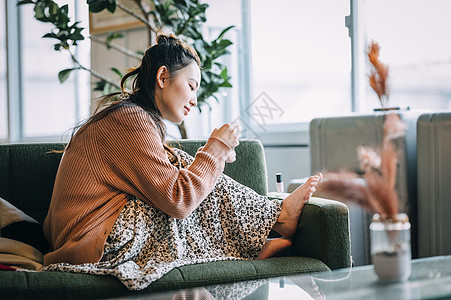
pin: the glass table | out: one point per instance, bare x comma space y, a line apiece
430, 279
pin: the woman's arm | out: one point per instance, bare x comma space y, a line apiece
133, 160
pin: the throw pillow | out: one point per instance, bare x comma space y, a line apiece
20, 255
16, 225
10, 214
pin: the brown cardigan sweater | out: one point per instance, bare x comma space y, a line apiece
107, 163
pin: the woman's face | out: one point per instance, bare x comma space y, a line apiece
177, 94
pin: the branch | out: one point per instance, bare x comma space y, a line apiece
116, 47
142, 8
132, 13
94, 73
146, 12
185, 24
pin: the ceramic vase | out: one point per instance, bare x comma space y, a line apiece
390, 247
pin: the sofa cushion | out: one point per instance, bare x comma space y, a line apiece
53, 285
17, 225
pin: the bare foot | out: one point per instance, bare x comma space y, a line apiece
274, 246
292, 206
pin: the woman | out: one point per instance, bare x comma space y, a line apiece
126, 204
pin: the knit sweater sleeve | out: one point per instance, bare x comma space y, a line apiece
133, 160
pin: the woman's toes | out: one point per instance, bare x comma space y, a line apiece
309, 192
318, 177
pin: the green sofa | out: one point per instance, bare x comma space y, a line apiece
27, 173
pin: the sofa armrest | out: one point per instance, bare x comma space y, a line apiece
323, 233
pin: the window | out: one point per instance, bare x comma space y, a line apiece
38, 106
301, 59
3, 86
414, 40
48, 106
301, 62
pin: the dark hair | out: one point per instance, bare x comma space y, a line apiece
170, 52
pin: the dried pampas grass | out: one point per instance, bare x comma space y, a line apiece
394, 127
375, 191
348, 187
378, 74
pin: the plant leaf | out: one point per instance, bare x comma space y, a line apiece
96, 6
39, 12
224, 74
116, 70
224, 32
226, 84
112, 36
64, 74
24, 2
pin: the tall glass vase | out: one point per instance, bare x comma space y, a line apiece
390, 247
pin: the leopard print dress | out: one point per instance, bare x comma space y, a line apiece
232, 223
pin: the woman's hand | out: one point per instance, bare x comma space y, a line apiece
228, 134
